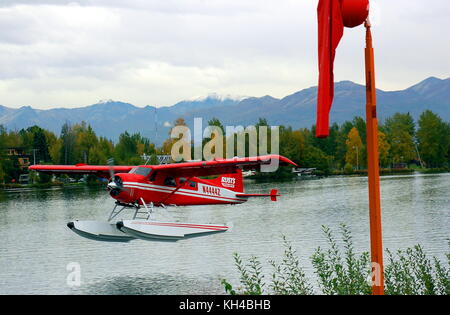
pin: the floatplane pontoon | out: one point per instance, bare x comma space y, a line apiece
145, 228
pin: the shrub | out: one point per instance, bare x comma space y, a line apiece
411, 272
340, 270
287, 276
348, 168
341, 273
251, 277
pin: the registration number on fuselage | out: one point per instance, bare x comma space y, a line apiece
215, 191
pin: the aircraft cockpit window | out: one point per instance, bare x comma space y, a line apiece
144, 171
170, 181
192, 184
153, 176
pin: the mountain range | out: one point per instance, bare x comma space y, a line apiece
110, 118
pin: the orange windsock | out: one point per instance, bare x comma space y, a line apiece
332, 16
331, 29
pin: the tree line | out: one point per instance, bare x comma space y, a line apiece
402, 141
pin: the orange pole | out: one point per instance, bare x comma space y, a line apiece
376, 242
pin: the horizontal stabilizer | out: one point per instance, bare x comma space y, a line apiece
273, 195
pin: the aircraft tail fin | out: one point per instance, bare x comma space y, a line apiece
273, 194
230, 181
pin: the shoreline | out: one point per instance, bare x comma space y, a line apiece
6, 187
257, 178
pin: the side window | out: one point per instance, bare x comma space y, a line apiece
144, 171
169, 181
153, 176
192, 184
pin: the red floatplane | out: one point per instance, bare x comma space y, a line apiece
141, 188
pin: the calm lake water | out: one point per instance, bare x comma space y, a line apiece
36, 246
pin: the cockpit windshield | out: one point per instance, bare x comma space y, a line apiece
144, 171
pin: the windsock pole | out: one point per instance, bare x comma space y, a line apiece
376, 243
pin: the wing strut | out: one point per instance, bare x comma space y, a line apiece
175, 190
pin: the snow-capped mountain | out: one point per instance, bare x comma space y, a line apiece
111, 118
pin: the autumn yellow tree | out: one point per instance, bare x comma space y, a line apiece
383, 148
55, 150
354, 148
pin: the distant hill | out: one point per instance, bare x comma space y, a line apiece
111, 118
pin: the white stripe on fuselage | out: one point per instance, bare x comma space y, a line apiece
225, 194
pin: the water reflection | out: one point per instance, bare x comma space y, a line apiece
153, 284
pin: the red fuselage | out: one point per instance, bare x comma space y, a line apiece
161, 189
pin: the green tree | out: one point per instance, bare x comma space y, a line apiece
292, 144
400, 132
434, 139
316, 158
400, 121
216, 122
85, 142
360, 125
68, 138
130, 148
106, 146
328, 145
3, 137
97, 156
402, 146
55, 150
2, 174
153, 159
39, 144
341, 146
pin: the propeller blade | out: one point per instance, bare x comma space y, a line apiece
111, 169
115, 185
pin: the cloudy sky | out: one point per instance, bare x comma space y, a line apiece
157, 52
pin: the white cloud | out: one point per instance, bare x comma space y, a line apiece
73, 53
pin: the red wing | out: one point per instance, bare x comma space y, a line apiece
220, 166
99, 170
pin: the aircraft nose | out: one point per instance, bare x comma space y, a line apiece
111, 185
115, 186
